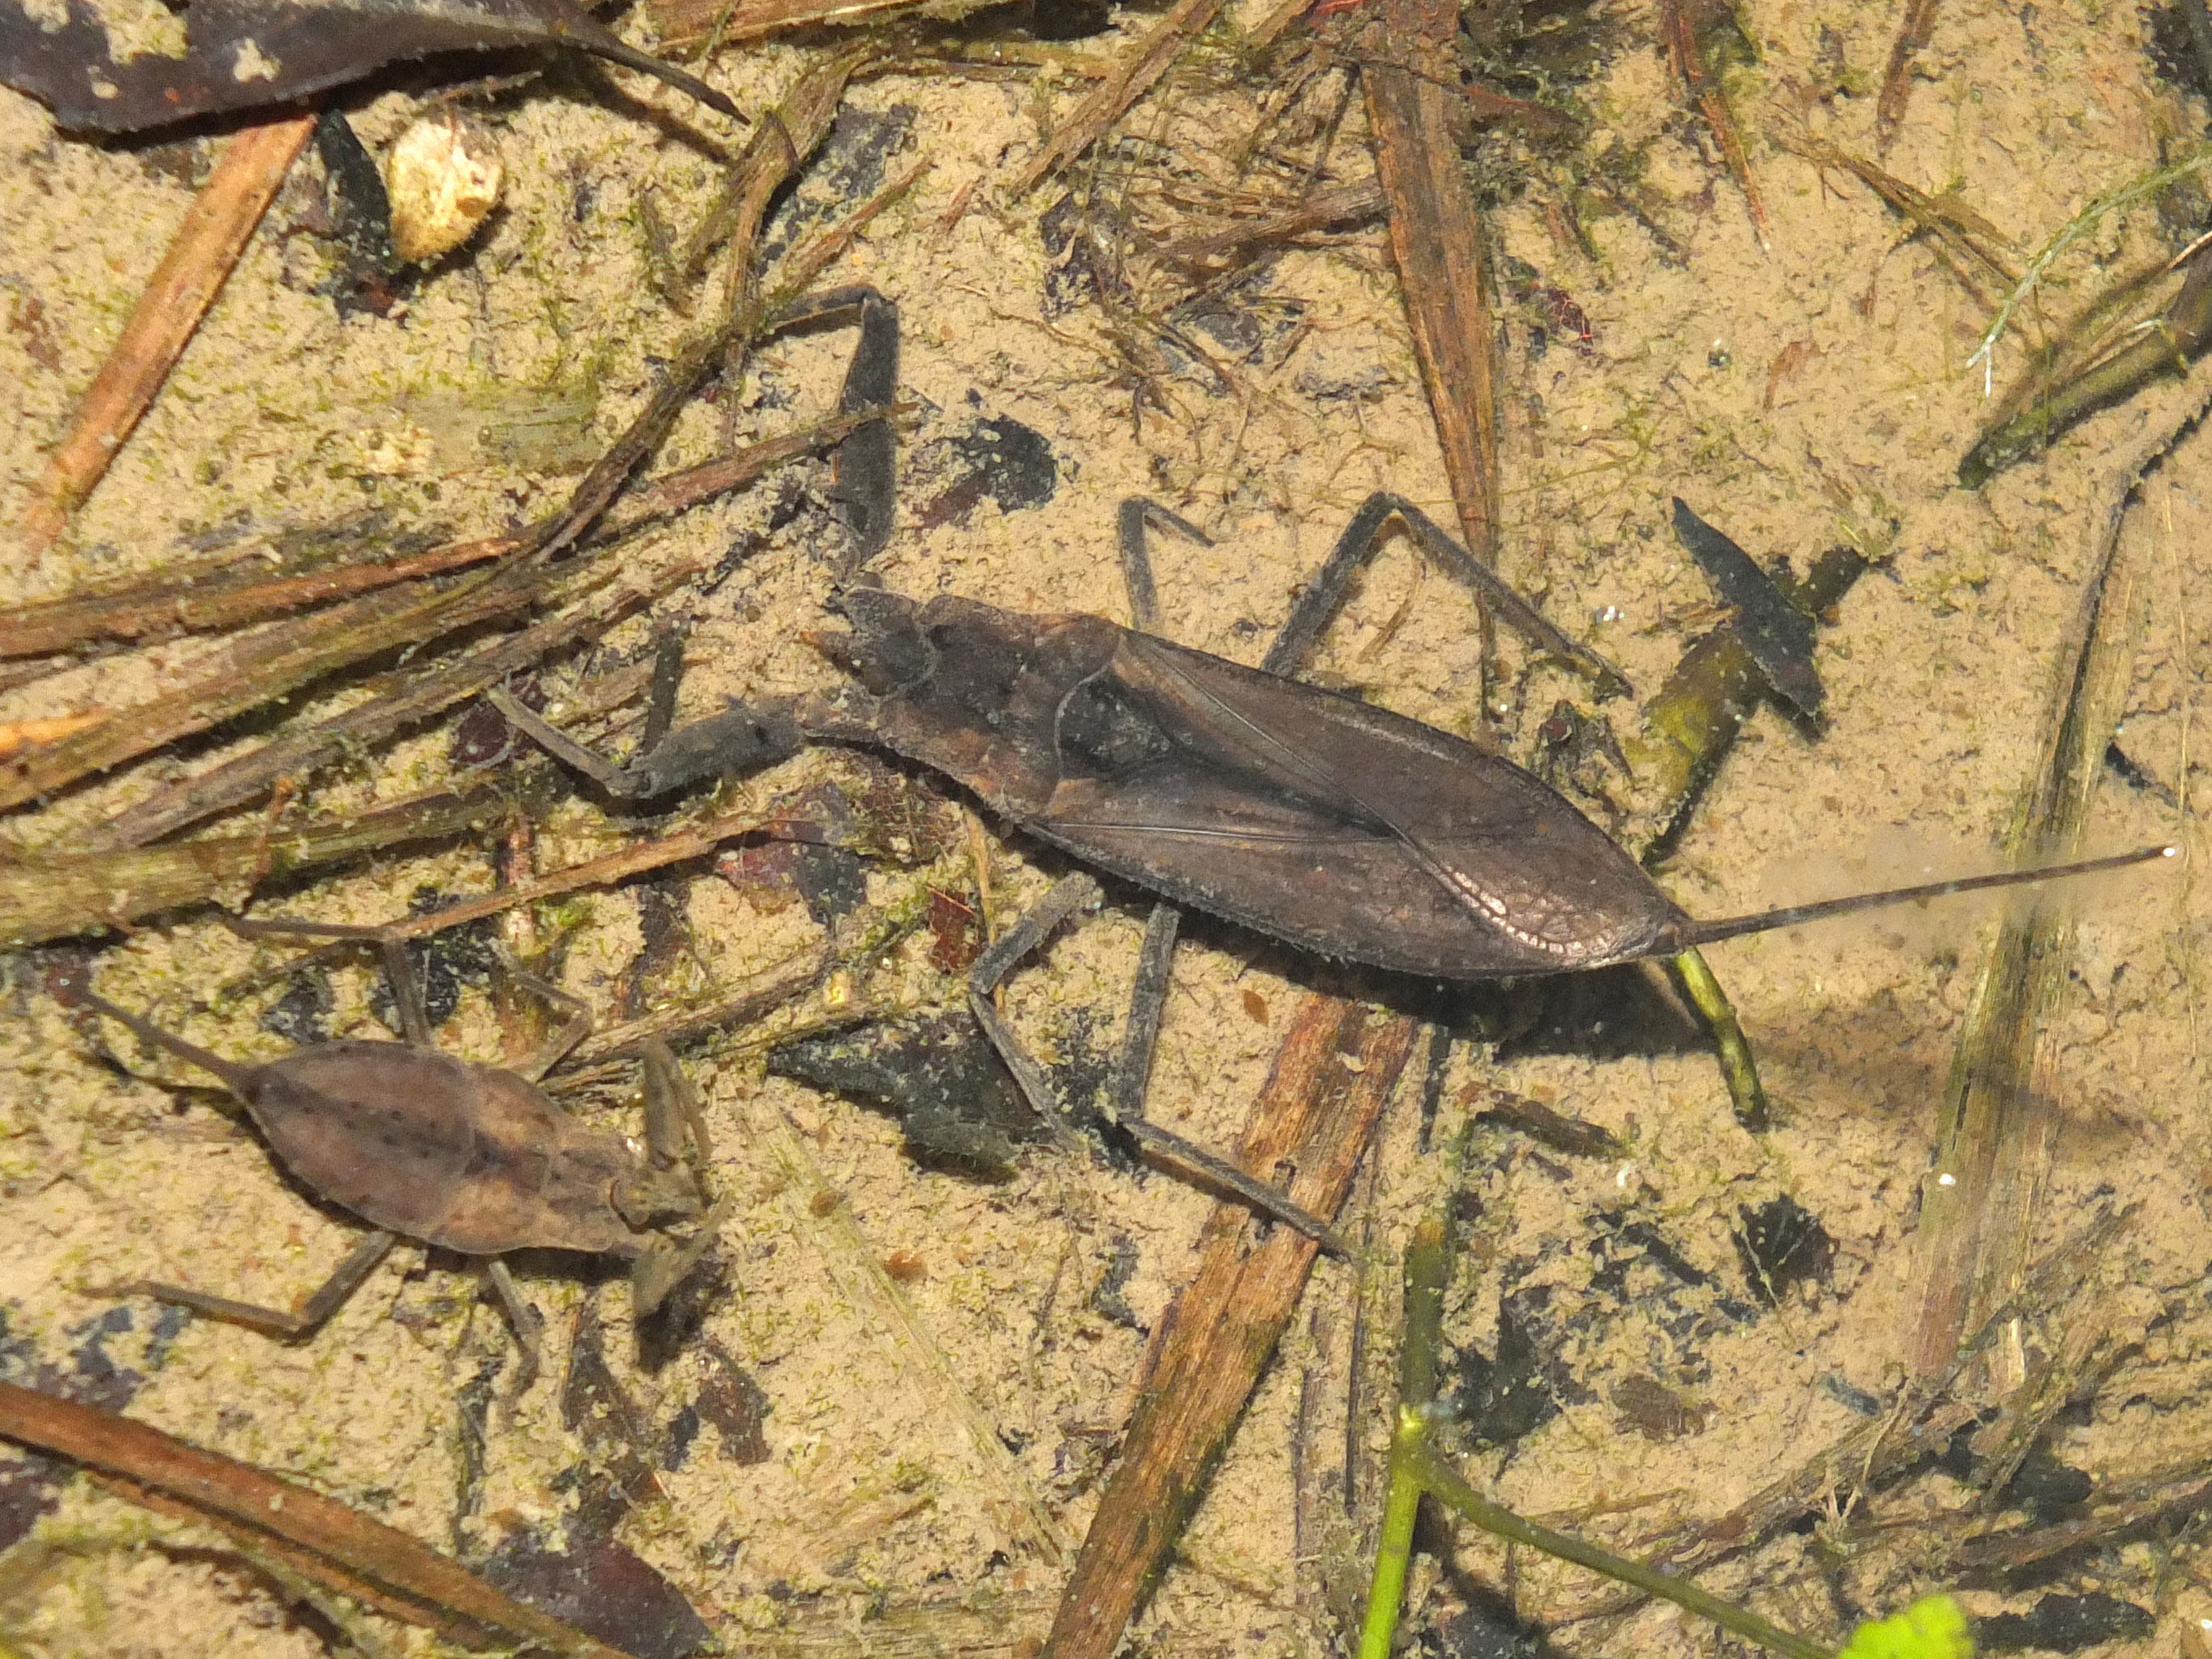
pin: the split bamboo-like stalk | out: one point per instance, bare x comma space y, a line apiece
217, 228
1332, 1077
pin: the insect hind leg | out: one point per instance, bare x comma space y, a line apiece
294, 1324
1133, 1063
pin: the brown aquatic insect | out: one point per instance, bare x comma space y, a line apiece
471, 1159
1338, 828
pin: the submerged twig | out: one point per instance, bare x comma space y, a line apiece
586, 611
1344, 205
1333, 1075
316, 1536
2164, 346
787, 135
1969, 238
1912, 37
57, 894
208, 597
1689, 59
262, 668
217, 228
425, 692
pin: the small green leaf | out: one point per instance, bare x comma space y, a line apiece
1931, 1628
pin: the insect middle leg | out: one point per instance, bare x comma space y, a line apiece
1132, 1063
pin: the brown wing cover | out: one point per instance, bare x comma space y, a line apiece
1343, 829
433, 1148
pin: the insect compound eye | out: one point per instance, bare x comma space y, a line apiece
1100, 733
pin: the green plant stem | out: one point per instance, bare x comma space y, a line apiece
1738, 1068
1417, 1468
1445, 1484
1394, 1553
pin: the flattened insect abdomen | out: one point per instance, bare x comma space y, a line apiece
381, 1128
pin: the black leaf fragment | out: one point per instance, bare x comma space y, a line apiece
248, 54
1777, 633
954, 1097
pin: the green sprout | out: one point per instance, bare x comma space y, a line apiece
1932, 1628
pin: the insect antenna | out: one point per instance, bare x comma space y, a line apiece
1762, 921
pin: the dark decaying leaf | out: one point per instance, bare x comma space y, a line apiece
246, 54
954, 1097
1779, 634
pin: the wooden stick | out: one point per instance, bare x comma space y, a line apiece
202, 597
15, 736
1331, 1080
1435, 236
216, 228
313, 1535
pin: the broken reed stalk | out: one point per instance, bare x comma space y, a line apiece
1436, 238
1979, 1201
207, 245
1335, 1072
17, 736
262, 668
423, 692
586, 611
1912, 37
207, 597
784, 138
316, 1536
1133, 75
